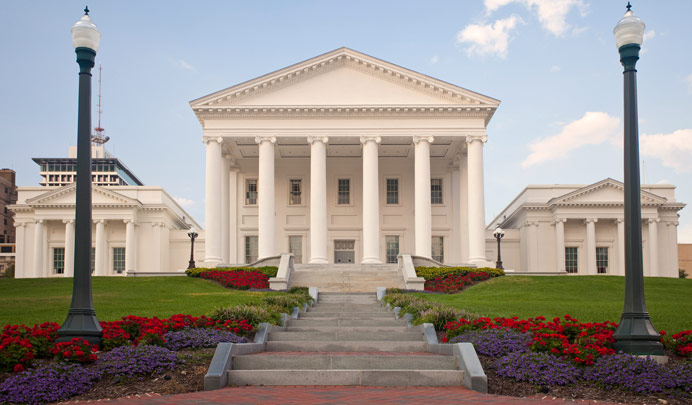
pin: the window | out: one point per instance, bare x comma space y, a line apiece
438, 248
436, 191
93, 259
392, 191
602, 260
392, 250
251, 192
295, 246
59, 260
571, 260
344, 191
118, 260
295, 197
251, 243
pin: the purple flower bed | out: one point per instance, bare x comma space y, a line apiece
496, 342
200, 337
128, 361
51, 383
537, 368
639, 374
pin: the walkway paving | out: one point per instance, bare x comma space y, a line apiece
342, 395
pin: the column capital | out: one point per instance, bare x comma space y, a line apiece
429, 139
653, 220
365, 139
99, 221
672, 223
38, 221
67, 221
472, 138
530, 223
260, 139
228, 157
19, 224
129, 221
590, 220
323, 139
619, 220
207, 139
559, 220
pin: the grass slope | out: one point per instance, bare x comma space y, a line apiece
587, 298
31, 301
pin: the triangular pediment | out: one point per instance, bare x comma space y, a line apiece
605, 192
344, 77
66, 195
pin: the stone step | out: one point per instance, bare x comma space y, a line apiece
373, 328
345, 336
344, 346
389, 378
336, 307
346, 322
362, 315
344, 362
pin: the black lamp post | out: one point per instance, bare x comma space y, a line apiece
193, 235
499, 234
635, 334
81, 318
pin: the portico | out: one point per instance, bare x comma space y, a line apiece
344, 152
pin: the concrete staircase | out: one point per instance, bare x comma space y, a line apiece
346, 277
346, 339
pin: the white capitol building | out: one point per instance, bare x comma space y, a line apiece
345, 158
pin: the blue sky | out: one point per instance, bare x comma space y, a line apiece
553, 63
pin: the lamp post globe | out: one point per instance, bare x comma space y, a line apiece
192, 234
499, 234
635, 333
81, 317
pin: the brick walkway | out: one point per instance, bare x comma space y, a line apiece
341, 395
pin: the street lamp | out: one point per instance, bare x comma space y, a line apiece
192, 234
81, 318
635, 334
499, 234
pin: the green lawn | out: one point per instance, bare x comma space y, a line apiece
587, 298
31, 301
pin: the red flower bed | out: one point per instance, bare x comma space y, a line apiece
580, 342
679, 343
76, 350
454, 282
20, 344
240, 280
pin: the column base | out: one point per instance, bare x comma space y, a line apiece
318, 260
371, 260
481, 262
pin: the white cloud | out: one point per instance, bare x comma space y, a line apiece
664, 181
551, 13
674, 149
594, 128
688, 79
488, 38
184, 202
555, 68
183, 64
650, 34
434, 59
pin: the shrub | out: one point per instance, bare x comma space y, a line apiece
285, 303
254, 315
300, 290
52, 383
680, 343
454, 282
439, 316
269, 271
196, 338
496, 342
238, 279
430, 273
682, 273
76, 350
20, 344
128, 361
537, 368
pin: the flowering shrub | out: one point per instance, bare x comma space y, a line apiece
196, 338
537, 368
580, 342
19, 345
429, 273
237, 327
240, 280
453, 282
51, 383
270, 271
496, 342
76, 350
680, 343
128, 361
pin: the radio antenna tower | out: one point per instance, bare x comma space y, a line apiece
98, 137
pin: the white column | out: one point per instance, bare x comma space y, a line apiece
212, 200
672, 271
233, 215
464, 207
423, 210
371, 200
318, 199
100, 253
653, 248
621, 245
69, 247
591, 246
225, 213
130, 246
38, 248
560, 244
265, 194
531, 246
476, 200
20, 250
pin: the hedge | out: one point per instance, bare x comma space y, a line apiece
268, 270
430, 273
